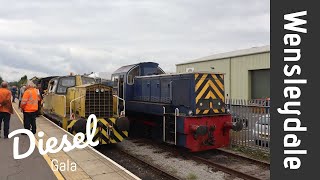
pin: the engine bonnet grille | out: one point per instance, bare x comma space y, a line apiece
98, 101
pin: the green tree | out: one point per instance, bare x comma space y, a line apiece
14, 83
1, 80
23, 80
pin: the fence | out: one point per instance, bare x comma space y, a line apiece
255, 117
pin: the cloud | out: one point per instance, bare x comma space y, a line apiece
43, 37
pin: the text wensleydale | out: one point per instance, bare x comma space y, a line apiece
292, 90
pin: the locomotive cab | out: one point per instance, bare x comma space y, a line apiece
123, 78
43, 83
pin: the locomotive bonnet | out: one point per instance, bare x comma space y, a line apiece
70, 100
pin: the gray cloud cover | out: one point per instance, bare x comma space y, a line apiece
43, 37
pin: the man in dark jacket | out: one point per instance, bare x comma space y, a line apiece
14, 92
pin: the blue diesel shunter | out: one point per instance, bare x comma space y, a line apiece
184, 109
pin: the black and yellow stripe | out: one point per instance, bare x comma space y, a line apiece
209, 88
102, 134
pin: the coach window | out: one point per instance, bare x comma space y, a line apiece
132, 73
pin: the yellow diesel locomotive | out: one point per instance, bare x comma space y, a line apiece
70, 100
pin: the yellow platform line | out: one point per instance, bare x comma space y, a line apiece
45, 156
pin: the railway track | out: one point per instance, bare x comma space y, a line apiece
225, 169
236, 155
167, 175
230, 169
137, 165
228, 164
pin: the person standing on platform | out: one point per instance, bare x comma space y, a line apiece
29, 105
14, 92
5, 108
21, 91
40, 99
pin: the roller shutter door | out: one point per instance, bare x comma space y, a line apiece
260, 84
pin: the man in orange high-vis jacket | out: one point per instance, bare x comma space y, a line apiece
29, 105
5, 108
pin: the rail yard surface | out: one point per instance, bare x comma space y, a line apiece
181, 164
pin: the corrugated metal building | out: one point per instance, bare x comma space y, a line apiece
247, 71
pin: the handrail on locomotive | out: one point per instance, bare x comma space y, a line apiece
71, 114
122, 113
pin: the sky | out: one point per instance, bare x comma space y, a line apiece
56, 37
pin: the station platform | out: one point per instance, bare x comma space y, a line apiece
90, 164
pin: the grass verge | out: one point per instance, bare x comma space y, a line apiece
253, 153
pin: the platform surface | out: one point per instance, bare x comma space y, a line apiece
33, 167
90, 163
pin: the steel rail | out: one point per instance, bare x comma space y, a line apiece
247, 158
225, 168
153, 167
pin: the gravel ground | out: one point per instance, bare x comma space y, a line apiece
185, 169
140, 170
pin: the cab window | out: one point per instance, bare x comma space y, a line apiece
159, 71
133, 73
115, 81
65, 83
87, 80
53, 85
148, 71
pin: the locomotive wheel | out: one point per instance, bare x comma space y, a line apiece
123, 123
80, 126
135, 128
147, 131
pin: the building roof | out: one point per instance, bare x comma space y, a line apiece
243, 52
